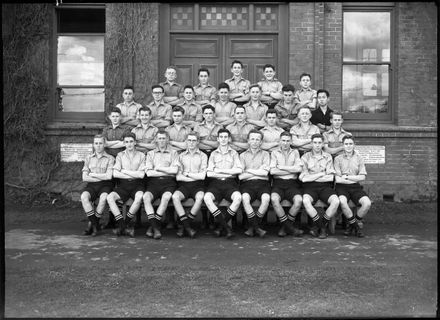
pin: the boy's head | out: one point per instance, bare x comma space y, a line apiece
208, 112
336, 119
157, 91
192, 140
255, 92
254, 138
223, 91
323, 96
288, 91
269, 71
98, 143
188, 92
129, 140
203, 75
223, 136
271, 117
145, 114
171, 73
285, 140
304, 114
237, 68
177, 114
115, 115
162, 137
305, 80
317, 142
239, 113
348, 143
128, 93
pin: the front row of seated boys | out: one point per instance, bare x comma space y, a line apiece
165, 174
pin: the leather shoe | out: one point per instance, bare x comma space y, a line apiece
322, 233
191, 232
218, 232
129, 232
149, 232
282, 233
229, 233
297, 232
249, 232
156, 234
314, 231
89, 230
180, 231
261, 233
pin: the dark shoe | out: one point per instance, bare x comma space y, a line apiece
129, 232
249, 232
314, 231
191, 232
89, 230
149, 232
180, 231
120, 230
94, 229
229, 233
282, 233
323, 233
261, 233
170, 225
297, 232
110, 224
156, 234
218, 232
358, 231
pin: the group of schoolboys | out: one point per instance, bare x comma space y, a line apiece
239, 142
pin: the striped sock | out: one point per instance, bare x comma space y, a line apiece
230, 215
98, 214
316, 221
358, 218
351, 220
283, 218
216, 213
258, 214
90, 213
118, 217
190, 215
291, 218
251, 215
130, 215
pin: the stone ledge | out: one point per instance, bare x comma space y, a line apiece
74, 128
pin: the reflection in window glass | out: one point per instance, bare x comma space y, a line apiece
365, 33
80, 60
365, 88
82, 100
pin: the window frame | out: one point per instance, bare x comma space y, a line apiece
389, 116
58, 115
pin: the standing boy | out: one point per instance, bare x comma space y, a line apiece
129, 108
114, 133
286, 111
145, 131
239, 86
350, 170
207, 130
271, 92
271, 132
193, 111
302, 132
255, 109
239, 130
305, 95
204, 92
97, 172
333, 137
321, 116
173, 90
224, 108
160, 111
255, 182
178, 131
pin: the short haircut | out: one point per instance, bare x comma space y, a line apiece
157, 86
115, 109
236, 61
288, 87
240, 106
99, 136
317, 135
128, 87
304, 107
305, 75
255, 131
268, 65
224, 85
323, 90
223, 130
171, 67
255, 85
271, 111
129, 135
208, 106
347, 136
188, 86
203, 70
285, 134
335, 113
178, 108
193, 133
162, 131
145, 108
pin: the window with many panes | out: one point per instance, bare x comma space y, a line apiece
367, 62
79, 63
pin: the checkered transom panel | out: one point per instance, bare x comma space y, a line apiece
182, 17
224, 17
266, 17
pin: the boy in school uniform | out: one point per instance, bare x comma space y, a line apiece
302, 132
305, 95
239, 130
223, 167
129, 169
173, 90
129, 108
333, 137
317, 176
190, 178
286, 111
239, 86
114, 133
207, 130
271, 132
321, 116
145, 131
193, 111
97, 172
271, 88
255, 109
178, 131
254, 182
204, 92
160, 111
161, 169
350, 170
224, 108
285, 166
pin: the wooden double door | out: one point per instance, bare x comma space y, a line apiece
189, 52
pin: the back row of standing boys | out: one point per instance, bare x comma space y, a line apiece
166, 150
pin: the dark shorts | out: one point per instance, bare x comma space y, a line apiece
255, 188
97, 188
319, 190
127, 188
159, 185
286, 188
352, 192
190, 189
223, 189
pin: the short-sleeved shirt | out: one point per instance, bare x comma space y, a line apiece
98, 164
206, 133
172, 90
224, 109
195, 162
301, 133
130, 161
193, 111
285, 112
240, 86
145, 135
319, 117
177, 134
291, 158
317, 163
271, 134
350, 165
239, 132
271, 86
224, 160
205, 93
161, 158
333, 139
258, 113
112, 134
162, 111
304, 95
258, 160
129, 109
